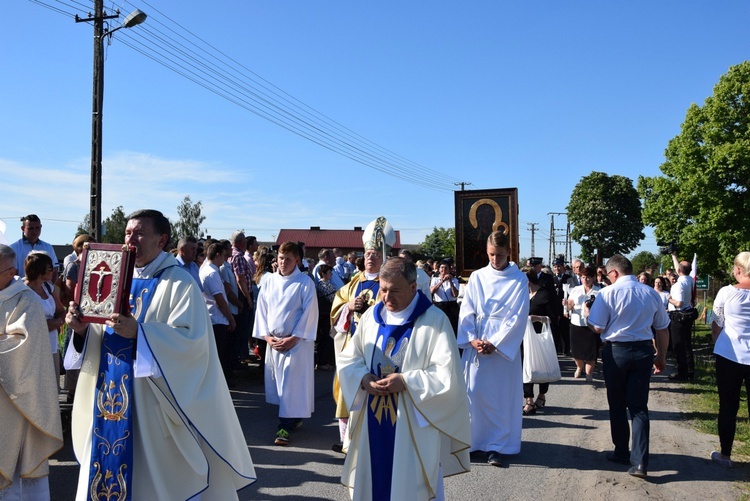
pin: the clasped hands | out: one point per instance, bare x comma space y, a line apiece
282, 344
483, 347
121, 323
392, 383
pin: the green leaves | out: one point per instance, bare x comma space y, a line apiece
440, 243
702, 199
605, 212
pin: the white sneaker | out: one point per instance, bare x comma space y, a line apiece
718, 457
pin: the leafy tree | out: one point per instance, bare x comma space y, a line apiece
190, 219
646, 261
701, 202
85, 227
440, 243
113, 227
606, 215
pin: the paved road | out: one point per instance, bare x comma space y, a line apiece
562, 454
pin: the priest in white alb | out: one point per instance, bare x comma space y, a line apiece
287, 319
401, 379
491, 325
153, 417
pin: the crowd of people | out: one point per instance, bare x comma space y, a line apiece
428, 366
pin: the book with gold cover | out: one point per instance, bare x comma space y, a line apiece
104, 281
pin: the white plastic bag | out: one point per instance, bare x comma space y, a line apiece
540, 363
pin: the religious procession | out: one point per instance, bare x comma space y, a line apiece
433, 372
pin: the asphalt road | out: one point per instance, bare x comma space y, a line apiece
562, 455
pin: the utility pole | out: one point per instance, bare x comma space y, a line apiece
462, 184
532, 227
95, 206
552, 236
98, 18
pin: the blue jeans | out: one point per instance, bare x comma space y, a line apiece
627, 372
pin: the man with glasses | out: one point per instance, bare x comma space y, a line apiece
624, 314
30, 241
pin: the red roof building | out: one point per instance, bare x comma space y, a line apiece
316, 238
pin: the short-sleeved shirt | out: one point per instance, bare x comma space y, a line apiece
212, 285
626, 310
23, 247
732, 314
682, 291
227, 276
443, 294
241, 269
191, 268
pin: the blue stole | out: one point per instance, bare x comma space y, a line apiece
111, 471
370, 289
387, 358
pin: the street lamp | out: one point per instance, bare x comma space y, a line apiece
134, 18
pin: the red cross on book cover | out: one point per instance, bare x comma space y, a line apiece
104, 281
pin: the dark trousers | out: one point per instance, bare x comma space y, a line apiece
681, 335
729, 378
221, 335
561, 334
239, 349
627, 372
528, 389
451, 310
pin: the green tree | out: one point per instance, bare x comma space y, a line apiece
606, 215
701, 202
440, 243
646, 261
190, 219
114, 227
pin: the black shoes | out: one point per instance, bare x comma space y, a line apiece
495, 459
638, 471
614, 458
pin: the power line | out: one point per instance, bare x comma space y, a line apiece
243, 90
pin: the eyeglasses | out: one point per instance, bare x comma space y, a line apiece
6, 269
610, 272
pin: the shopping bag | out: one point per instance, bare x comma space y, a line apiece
540, 363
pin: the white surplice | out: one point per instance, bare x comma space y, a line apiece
288, 306
495, 308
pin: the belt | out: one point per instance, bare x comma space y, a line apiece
631, 343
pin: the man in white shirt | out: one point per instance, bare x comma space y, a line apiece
624, 314
215, 297
681, 328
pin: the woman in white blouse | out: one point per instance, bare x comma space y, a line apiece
584, 343
731, 333
660, 287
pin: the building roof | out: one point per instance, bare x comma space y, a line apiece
316, 237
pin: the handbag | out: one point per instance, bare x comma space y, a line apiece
540, 363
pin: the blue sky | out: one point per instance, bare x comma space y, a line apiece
532, 95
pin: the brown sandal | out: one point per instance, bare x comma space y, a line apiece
529, 408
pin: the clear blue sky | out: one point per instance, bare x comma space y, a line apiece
532, 95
